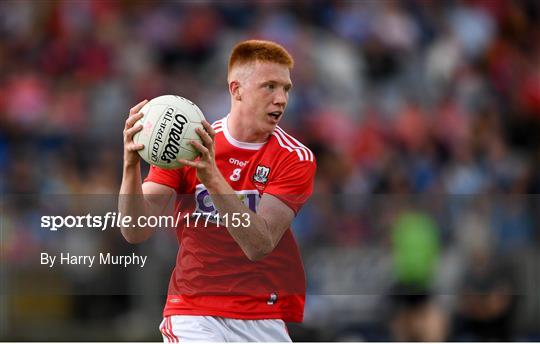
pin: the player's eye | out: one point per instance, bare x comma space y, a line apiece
271, 87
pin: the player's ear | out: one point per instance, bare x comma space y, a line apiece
234, 90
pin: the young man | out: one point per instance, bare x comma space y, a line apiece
241, 280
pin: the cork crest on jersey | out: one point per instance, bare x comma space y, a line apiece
261, 174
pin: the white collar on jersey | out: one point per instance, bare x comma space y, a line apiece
235, 142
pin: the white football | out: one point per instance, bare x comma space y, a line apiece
169, 125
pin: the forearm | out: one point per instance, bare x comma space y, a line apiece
131, 202
255, 240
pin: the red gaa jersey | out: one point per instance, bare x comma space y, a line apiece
212, 275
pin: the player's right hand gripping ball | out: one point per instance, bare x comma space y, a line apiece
169, 125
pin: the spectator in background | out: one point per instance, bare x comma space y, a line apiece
487, 302
415, 249
417, 318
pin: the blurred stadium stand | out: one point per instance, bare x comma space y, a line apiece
424, 117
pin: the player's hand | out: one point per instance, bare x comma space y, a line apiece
207, 170
131, 157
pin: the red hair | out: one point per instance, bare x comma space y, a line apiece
258, 50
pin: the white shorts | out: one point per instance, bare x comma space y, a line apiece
194, 328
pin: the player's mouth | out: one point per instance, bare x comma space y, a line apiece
275, 115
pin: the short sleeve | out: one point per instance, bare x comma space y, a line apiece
293, 184
170, 178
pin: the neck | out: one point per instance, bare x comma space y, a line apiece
243, 130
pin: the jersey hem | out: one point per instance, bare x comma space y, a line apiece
234, 315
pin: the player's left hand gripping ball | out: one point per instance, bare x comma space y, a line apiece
206, 163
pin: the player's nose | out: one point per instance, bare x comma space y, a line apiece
280, 98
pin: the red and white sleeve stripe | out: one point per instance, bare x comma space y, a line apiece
291, 144
218, 126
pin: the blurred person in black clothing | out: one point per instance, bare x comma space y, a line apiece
487, 301
416, 316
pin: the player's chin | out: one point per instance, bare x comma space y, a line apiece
270, 126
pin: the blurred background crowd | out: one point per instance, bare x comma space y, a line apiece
424, 117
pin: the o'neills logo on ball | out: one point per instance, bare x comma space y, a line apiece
175, 135
159, 134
